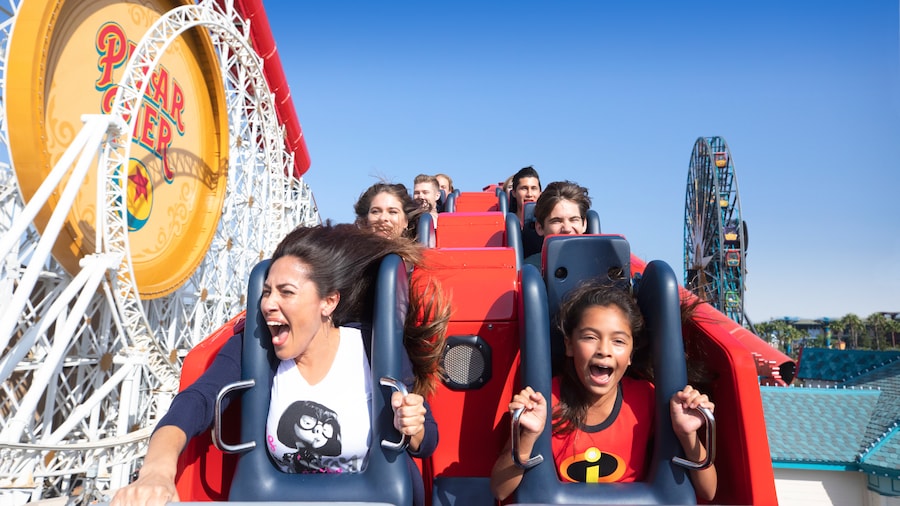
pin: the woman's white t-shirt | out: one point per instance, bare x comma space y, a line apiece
323, 428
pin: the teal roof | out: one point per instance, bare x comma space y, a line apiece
817, 425
884, 454
887, 411
839, 365
855, 423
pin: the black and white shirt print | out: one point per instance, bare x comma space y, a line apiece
314, 431
325, 427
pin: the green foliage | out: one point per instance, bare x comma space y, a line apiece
783, 334
875, 332
882, 330
852, 325
878, 331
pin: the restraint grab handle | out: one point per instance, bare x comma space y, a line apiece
218, 442
514, 430
404, 439
710, 444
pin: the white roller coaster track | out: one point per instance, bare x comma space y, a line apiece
87, 366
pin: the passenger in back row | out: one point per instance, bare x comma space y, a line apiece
561, 209
445, 183
387, 210
426, 190
526, 186
507, 184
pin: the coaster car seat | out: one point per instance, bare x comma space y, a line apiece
658, 298
386, 478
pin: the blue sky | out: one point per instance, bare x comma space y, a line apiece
613, 95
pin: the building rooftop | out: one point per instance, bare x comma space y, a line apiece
817, 425
853, 423
883, 454
839, 365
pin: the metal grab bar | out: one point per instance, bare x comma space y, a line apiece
710, 444
514, 430
217, 425
404, 439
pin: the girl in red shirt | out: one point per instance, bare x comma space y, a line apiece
602, 419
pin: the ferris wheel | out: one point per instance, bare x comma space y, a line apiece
143, 174
715, 235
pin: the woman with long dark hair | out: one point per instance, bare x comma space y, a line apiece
317, 301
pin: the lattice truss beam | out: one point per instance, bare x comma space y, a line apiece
87, 366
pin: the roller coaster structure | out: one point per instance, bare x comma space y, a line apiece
91, 355
93, 340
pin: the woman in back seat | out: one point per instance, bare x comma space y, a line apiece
388, 210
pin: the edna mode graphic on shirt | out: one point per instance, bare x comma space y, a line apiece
314, 431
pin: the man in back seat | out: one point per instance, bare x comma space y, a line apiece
526, 187
426, 190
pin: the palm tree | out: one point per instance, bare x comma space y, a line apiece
837, 330
784, 331
886, 328
893, 326
854, 325
879, 324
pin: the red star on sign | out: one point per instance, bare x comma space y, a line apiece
140, 184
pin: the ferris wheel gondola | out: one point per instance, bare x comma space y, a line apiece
715, 235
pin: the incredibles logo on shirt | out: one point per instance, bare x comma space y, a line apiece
592, 466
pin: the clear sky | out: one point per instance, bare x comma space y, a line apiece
613, 95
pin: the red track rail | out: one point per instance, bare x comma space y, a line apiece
264, 43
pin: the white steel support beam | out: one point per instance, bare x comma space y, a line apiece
121, 362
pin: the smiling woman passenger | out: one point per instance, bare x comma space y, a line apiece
388, 210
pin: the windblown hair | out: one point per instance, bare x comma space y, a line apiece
556, 192
571, 412
398, 190
425, 332
346, 259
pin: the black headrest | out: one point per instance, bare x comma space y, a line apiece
528, 214
425, 232
593, 222
441, 200
574, 259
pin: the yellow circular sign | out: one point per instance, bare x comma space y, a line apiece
65, 60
